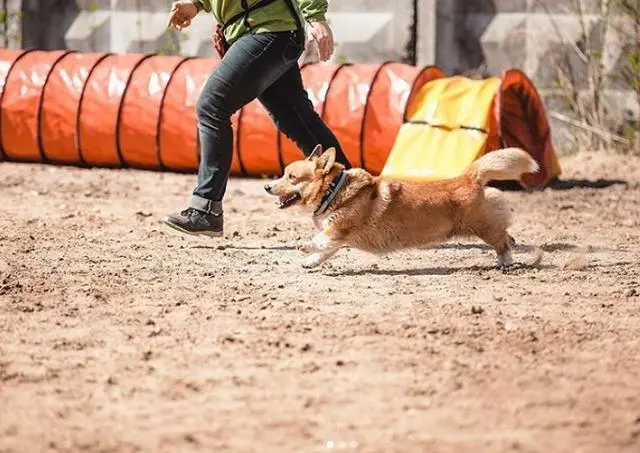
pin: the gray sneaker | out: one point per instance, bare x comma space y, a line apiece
192, 221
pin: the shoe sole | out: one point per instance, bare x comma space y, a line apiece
211, 234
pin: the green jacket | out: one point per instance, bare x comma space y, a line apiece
273, 17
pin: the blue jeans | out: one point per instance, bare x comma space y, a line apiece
263, 66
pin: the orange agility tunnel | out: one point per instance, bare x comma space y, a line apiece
139, 111
61, 96
22, 99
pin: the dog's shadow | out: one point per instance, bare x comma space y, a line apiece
515, 269
521, 248
281, 248
434, 271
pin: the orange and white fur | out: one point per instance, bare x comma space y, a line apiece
379, 215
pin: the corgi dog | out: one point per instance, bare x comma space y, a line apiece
356, 209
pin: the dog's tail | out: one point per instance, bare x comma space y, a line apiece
502, 165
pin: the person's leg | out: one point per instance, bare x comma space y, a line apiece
247, 69
289, 105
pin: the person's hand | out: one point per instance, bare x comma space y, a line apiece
181, 14
323, 36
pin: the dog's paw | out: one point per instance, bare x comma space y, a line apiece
311, 261
505, 260
307, 247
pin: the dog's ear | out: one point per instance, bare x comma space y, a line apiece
326, 160
317, 152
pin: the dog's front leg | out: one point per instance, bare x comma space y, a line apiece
321, 242
322, 247
316, 259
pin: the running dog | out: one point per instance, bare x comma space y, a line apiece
378, 215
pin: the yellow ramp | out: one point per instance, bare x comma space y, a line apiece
446, 130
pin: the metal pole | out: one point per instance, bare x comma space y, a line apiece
426, 34
5, 23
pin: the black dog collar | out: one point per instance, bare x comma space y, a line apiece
331, 192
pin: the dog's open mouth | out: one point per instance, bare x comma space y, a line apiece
289, 200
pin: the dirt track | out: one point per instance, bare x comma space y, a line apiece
117, 335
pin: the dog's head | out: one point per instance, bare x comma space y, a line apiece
303, 180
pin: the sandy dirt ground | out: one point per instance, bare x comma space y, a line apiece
118, 335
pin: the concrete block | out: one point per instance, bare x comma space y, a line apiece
389, 25
90, 32
381, 32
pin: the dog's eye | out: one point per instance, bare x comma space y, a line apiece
291, 176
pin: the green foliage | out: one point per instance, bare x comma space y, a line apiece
170, 43
341, 59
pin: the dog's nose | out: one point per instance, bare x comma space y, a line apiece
268, 188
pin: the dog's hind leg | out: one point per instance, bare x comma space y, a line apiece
501, 242
505, 259
493, 224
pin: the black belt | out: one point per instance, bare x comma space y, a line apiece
244, 15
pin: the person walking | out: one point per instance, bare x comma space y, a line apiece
260, 42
